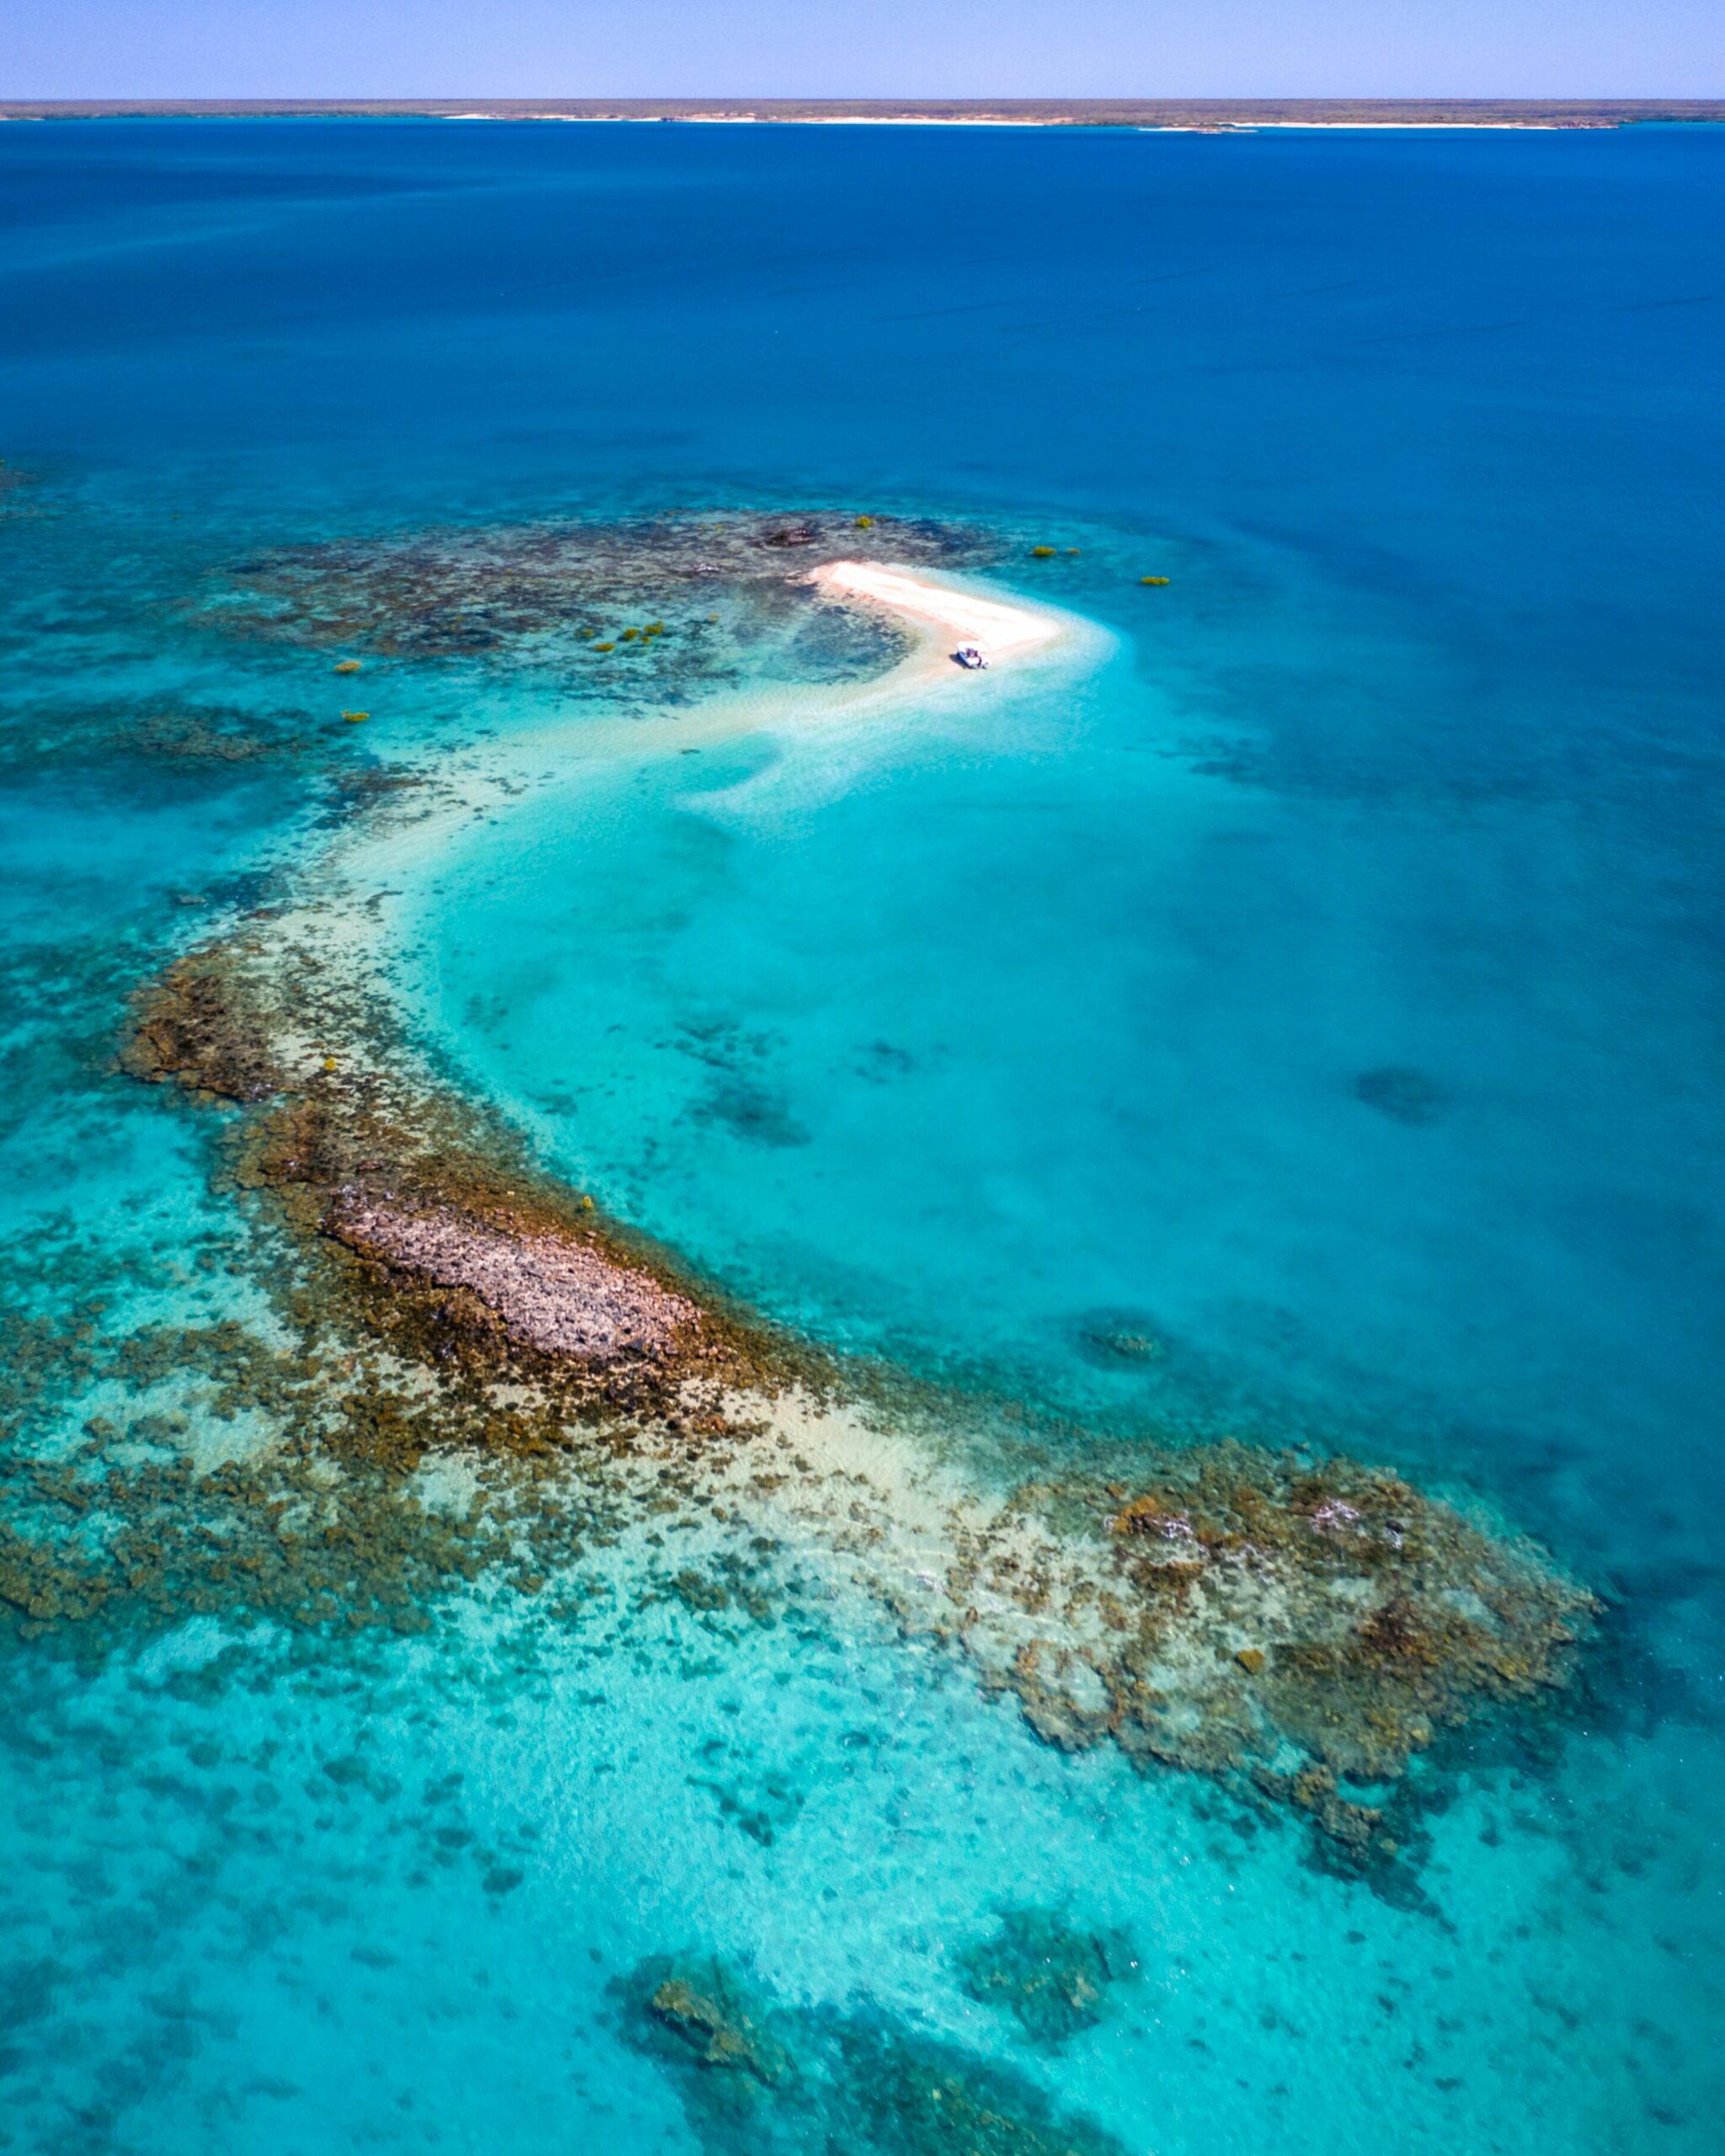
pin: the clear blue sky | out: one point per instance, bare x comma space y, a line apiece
862, 48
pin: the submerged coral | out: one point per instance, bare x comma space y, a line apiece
1266, 1612
1113, 1338
775, 2081
1053, 1980
672, 599
702, 2006
1403, 1095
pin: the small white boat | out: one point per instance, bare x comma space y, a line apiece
970, 655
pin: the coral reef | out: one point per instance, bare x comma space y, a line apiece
702, 2007
1053, 1980
1298, 1626
432, 1305
461, 1250
1307, 1621
126, 1530
1113, 1338
14, 485
911, 2097
774, 2081
676, 598
195, 1025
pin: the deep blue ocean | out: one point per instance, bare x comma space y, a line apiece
1327, 983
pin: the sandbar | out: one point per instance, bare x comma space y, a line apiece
944, 610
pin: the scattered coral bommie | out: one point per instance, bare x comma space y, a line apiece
760, 2079
1053, 1980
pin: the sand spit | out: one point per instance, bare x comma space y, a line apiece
940, 611
550, 1293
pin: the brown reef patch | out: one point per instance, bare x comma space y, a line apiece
457, 1247
196, 1025
704, 2007
1306, 1623
1053, 1979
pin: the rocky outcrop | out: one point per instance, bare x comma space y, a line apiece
548, 1292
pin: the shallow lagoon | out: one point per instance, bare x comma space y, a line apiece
975, 1042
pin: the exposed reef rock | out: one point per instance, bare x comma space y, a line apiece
559, 1296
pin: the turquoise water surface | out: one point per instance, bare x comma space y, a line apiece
1318, 977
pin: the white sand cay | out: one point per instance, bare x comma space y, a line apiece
943, 609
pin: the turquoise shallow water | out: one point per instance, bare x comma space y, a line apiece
1324, 982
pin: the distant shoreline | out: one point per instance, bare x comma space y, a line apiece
1200, 116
